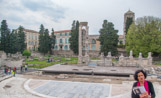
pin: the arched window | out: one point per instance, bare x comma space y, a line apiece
93, 41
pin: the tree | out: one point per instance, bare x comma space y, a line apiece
41, 41
144, 36
74, 37
26, 53
52, 41
44, 40
13, 42
108, 38
129, 21
5, 32
21, 39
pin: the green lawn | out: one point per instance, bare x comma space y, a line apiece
44, 63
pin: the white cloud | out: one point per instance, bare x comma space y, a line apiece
59, 14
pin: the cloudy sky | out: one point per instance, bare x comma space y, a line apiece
59, 14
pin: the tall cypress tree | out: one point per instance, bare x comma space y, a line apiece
13, 42
5, 32
108, 38
21, 39
74, 37
44, 40
52, 41
41, 41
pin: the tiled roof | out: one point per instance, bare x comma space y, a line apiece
27, 30
63, 31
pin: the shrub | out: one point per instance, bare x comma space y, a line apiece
26, 53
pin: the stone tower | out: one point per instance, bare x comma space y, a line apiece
128, 14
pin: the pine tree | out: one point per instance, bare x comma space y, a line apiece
5, 37
41, 41
108, 38
13, 42
74, 37
44, 40
52, 41
21, 39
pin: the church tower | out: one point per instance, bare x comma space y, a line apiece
128, 15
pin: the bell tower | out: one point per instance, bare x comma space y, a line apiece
128, 15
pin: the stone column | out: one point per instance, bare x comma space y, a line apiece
108, 61
131, 55
149, 59
140, 59
121, 60
80, 45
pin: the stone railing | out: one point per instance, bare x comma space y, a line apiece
126, 61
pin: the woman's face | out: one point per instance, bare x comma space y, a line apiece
141, 77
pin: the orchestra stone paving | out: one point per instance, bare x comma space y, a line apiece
67, 89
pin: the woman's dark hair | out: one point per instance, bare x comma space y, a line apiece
136, 74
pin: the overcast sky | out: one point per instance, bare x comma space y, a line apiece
59, 14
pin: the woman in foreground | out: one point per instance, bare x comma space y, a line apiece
140, 77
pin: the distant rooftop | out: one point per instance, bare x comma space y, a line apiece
62, 31
129, 12
28, 30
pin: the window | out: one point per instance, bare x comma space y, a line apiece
69, 33
61, 40
66, 41
93, 41
93, 47
61, 34
66, 47
55, 41
35, 37
55, 47
65, 34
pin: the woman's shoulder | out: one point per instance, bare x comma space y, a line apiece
134, 84
149, 83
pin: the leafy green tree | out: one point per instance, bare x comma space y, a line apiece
5, 32
144, 36
26, 53
74, 37
129, 21
21, 39
108, 38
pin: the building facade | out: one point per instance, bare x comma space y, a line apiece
32, 39
62, 40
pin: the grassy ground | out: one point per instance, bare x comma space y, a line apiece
45, 63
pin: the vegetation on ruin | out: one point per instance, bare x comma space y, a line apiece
145, 36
